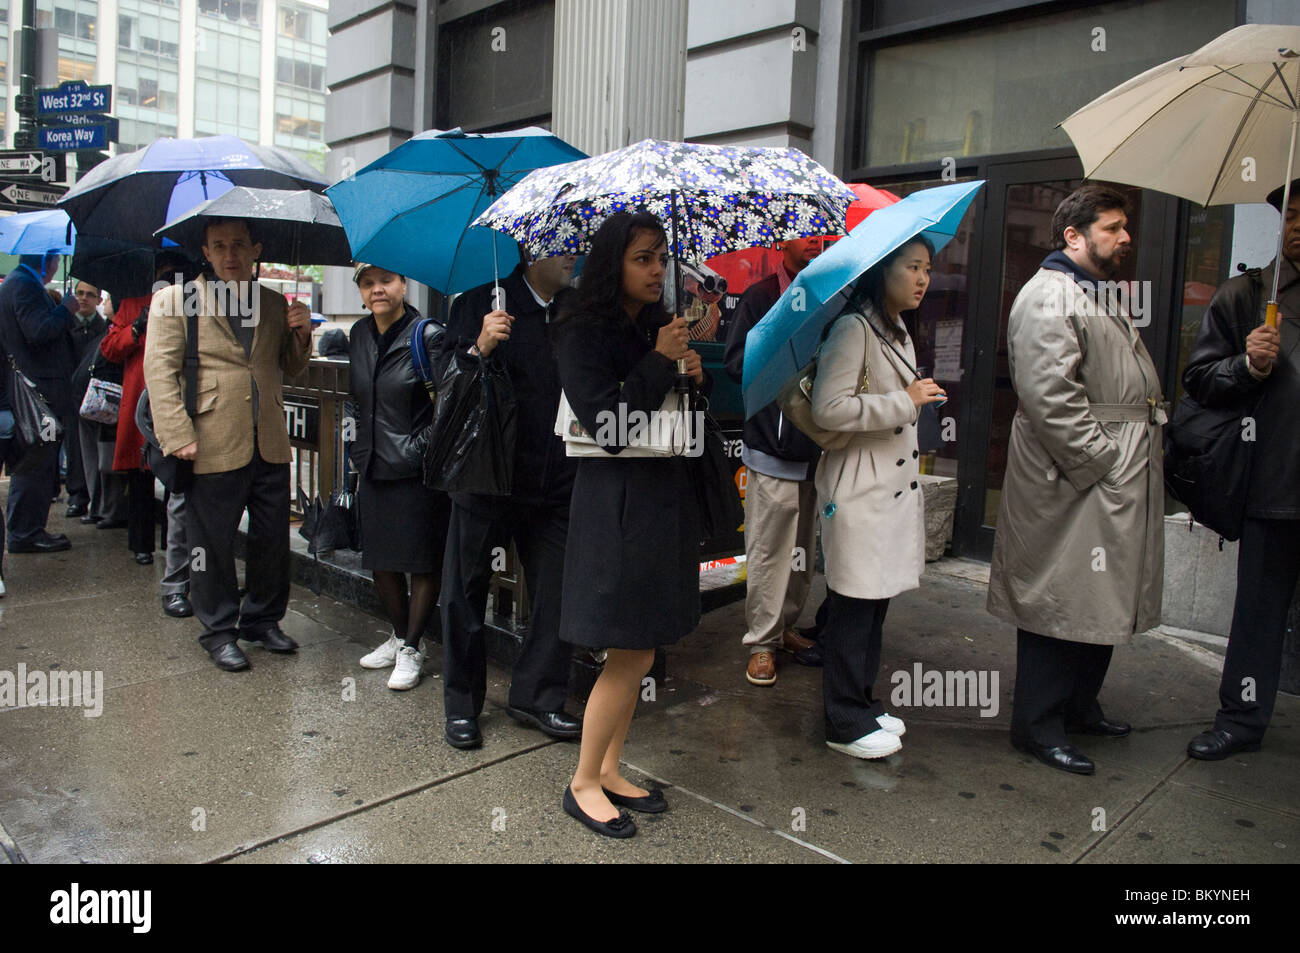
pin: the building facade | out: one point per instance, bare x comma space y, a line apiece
249, 68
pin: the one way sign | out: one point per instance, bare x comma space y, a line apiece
24, 195
20, 163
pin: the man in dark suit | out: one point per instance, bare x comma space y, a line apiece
89, 328
535, 516
36, 331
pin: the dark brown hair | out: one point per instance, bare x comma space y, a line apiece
1081, 208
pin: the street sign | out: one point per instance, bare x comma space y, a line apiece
74, 119
21, 162
73, 96
24, 196
69, 138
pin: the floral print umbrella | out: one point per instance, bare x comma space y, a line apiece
711, 199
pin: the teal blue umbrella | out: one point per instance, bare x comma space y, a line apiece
788, 335
410, 210
36, 233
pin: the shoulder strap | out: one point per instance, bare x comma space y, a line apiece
885, 341
191, 364
420, 357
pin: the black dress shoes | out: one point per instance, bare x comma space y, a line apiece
41, 543
813, 657
1109, 729
557, 724
75, 509
88, 519
620, 827
272, 639
229, 658
144, 559
110, 524
1217, 744
177, 606
463, 733
1063, 757
653, 803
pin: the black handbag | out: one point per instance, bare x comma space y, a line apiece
38, 432
716, 494
174, 473
470, 447
1208, 462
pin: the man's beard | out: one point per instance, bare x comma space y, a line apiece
1106, 267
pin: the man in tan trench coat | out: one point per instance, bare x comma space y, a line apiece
1078, 557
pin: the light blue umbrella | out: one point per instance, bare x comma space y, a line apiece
35, 233
410, 210
788, 335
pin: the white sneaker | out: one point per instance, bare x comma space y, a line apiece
2, 588
878, 744
891, 724
406, 673
383, 656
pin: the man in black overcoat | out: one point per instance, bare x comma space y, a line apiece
36, 332
514, 333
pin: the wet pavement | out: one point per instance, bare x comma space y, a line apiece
313, 759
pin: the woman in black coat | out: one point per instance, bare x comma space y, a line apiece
631, 567
403, 524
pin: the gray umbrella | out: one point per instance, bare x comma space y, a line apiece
294, 228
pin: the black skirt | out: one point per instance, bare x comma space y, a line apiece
403, 525
632, 560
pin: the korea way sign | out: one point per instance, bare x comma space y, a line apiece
67, 138
74, 96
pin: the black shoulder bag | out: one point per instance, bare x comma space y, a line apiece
174, 473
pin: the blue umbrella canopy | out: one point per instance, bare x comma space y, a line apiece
36, 233
788, 335
711, 199
410, 210
132, 195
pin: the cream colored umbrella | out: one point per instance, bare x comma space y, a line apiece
1218, 126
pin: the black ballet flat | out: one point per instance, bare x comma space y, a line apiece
620, 827
652, 803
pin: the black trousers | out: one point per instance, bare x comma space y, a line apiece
214, 504
851, 641
140, 505
1268, 565
75, 479
540, 679
1057, 681
29, 499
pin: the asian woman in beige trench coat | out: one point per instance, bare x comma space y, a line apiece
869, 494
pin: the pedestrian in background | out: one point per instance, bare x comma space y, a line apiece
1237, 358
780, 498
1078, 557
868, 493
403, 523
631, 570
89, 330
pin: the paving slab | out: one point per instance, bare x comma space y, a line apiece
512, 814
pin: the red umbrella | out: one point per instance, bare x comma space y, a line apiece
869, 199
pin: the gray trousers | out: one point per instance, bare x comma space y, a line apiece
176, 578
107, 489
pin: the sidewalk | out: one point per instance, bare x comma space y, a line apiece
313, 758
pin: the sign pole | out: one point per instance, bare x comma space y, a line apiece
25, 101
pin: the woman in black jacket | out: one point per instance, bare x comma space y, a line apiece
631, 566
403, 524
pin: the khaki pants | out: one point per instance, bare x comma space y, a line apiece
780, 536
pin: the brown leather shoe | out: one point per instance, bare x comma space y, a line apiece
762, 669
792, 641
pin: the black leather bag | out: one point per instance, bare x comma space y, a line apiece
471, 440
37, 431
1208, 462
174, 473
716, 494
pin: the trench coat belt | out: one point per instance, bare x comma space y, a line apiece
1129, 413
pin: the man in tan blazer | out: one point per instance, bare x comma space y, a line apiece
249, 337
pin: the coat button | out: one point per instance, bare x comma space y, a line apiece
898, 494
913, 485
900, 429
915, 454
248, 398
901, 462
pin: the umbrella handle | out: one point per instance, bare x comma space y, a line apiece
1270, 314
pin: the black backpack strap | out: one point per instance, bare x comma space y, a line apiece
190, 365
